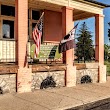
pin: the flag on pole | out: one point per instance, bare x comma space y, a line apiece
37, 33
68, 41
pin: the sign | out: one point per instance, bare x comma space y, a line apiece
46, 52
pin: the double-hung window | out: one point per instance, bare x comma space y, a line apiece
7, 21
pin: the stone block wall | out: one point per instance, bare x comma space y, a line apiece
8, 83
93, 73
38, 77
90, 69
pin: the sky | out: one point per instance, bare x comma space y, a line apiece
91, 22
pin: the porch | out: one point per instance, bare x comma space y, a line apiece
66, 12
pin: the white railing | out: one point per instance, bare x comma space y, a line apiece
7, 50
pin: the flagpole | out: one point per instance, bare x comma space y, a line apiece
73, 27
39, 19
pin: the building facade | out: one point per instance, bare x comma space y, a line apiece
19, 17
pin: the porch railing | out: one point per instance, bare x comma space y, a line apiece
48, 53
7, 50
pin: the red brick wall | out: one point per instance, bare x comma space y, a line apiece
52, 26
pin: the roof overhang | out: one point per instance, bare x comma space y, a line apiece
82, 8
98, 3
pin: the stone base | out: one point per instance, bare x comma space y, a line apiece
71, 76
88, 69
102, 74
39, 77
8, 83
24, 78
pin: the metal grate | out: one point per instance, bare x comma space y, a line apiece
48, 82
1, 91
86, 79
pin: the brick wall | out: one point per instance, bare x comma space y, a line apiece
52, 26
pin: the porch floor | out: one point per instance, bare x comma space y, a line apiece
83, 97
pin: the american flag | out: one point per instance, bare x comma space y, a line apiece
37, 33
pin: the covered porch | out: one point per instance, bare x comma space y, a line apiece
59, 17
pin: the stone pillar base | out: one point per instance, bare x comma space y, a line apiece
70, 76
102, 74
24, 80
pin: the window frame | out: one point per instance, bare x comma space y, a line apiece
1, 25
12, 18
32, 21
7, 6
6, 17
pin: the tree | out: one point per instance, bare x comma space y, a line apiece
106, 52
84, 45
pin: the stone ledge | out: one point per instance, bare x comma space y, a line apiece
80, 66
46, 67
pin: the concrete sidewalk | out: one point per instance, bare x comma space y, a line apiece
57, 98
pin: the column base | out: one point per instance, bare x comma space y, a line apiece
24, 78
70, 76
102, 74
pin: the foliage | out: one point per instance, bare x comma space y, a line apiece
108, 67
84, 45
106, 52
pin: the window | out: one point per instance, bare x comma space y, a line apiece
33, 26
8, 29
35, 15
7, 10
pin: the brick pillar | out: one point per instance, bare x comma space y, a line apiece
99, 50
99, 39
68, 56
24, 73
16, 33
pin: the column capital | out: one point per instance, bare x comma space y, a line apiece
99, 15
66, 7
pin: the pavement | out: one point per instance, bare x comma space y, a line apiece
80, 97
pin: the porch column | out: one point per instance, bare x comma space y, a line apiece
99, 39
99, 50
68, 56
24, 73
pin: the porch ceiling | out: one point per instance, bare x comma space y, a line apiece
41, 4
82, 8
